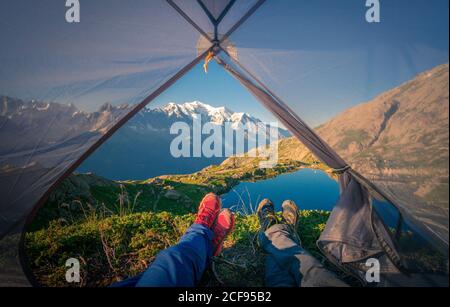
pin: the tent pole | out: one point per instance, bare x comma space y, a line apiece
189, 20
225, 11
213, 20
207, 12
323, 152
361, 179
111, 131
313, 142
288, 108
242, 20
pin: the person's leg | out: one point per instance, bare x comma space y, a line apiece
275, 276
127, 283
294, 261
181, 265
288, 257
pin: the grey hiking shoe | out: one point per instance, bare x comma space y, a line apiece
266, 214
291, 214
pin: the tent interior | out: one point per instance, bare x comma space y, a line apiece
392, 187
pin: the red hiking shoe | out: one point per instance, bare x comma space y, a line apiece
208, 210
223, 226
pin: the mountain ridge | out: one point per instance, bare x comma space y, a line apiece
400, 141
148, 134
161, 118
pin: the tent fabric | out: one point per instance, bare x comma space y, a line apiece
306, 135
320, 149
155, 43
125, 61
290, 57
355, 232
289, 67
347, 238
34, 155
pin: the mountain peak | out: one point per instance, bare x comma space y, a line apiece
217, 115
187, 111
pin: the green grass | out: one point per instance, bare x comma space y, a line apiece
81, 192
116, 229
115, 247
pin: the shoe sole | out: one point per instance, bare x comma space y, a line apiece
290, 211
230, 230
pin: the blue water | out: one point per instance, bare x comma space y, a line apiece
310, 189
313, 189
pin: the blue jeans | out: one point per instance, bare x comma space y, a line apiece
181, 265
289, 265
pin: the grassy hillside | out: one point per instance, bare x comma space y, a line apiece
112, 248
117, 227
178, 194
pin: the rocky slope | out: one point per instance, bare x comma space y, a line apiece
399, 140
33, 124
38, 141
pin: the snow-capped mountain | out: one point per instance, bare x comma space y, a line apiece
131, 153
218, 116
148, 135
161, 118
35, 125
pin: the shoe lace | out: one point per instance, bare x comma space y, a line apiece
268, 216
206, 215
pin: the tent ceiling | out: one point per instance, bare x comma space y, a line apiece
135, 67
216, 7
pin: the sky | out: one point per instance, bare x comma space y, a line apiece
334, 59
217, 88
321, 57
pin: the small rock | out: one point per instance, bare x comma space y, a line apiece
173, 195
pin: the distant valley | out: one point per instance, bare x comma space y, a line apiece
141, 149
